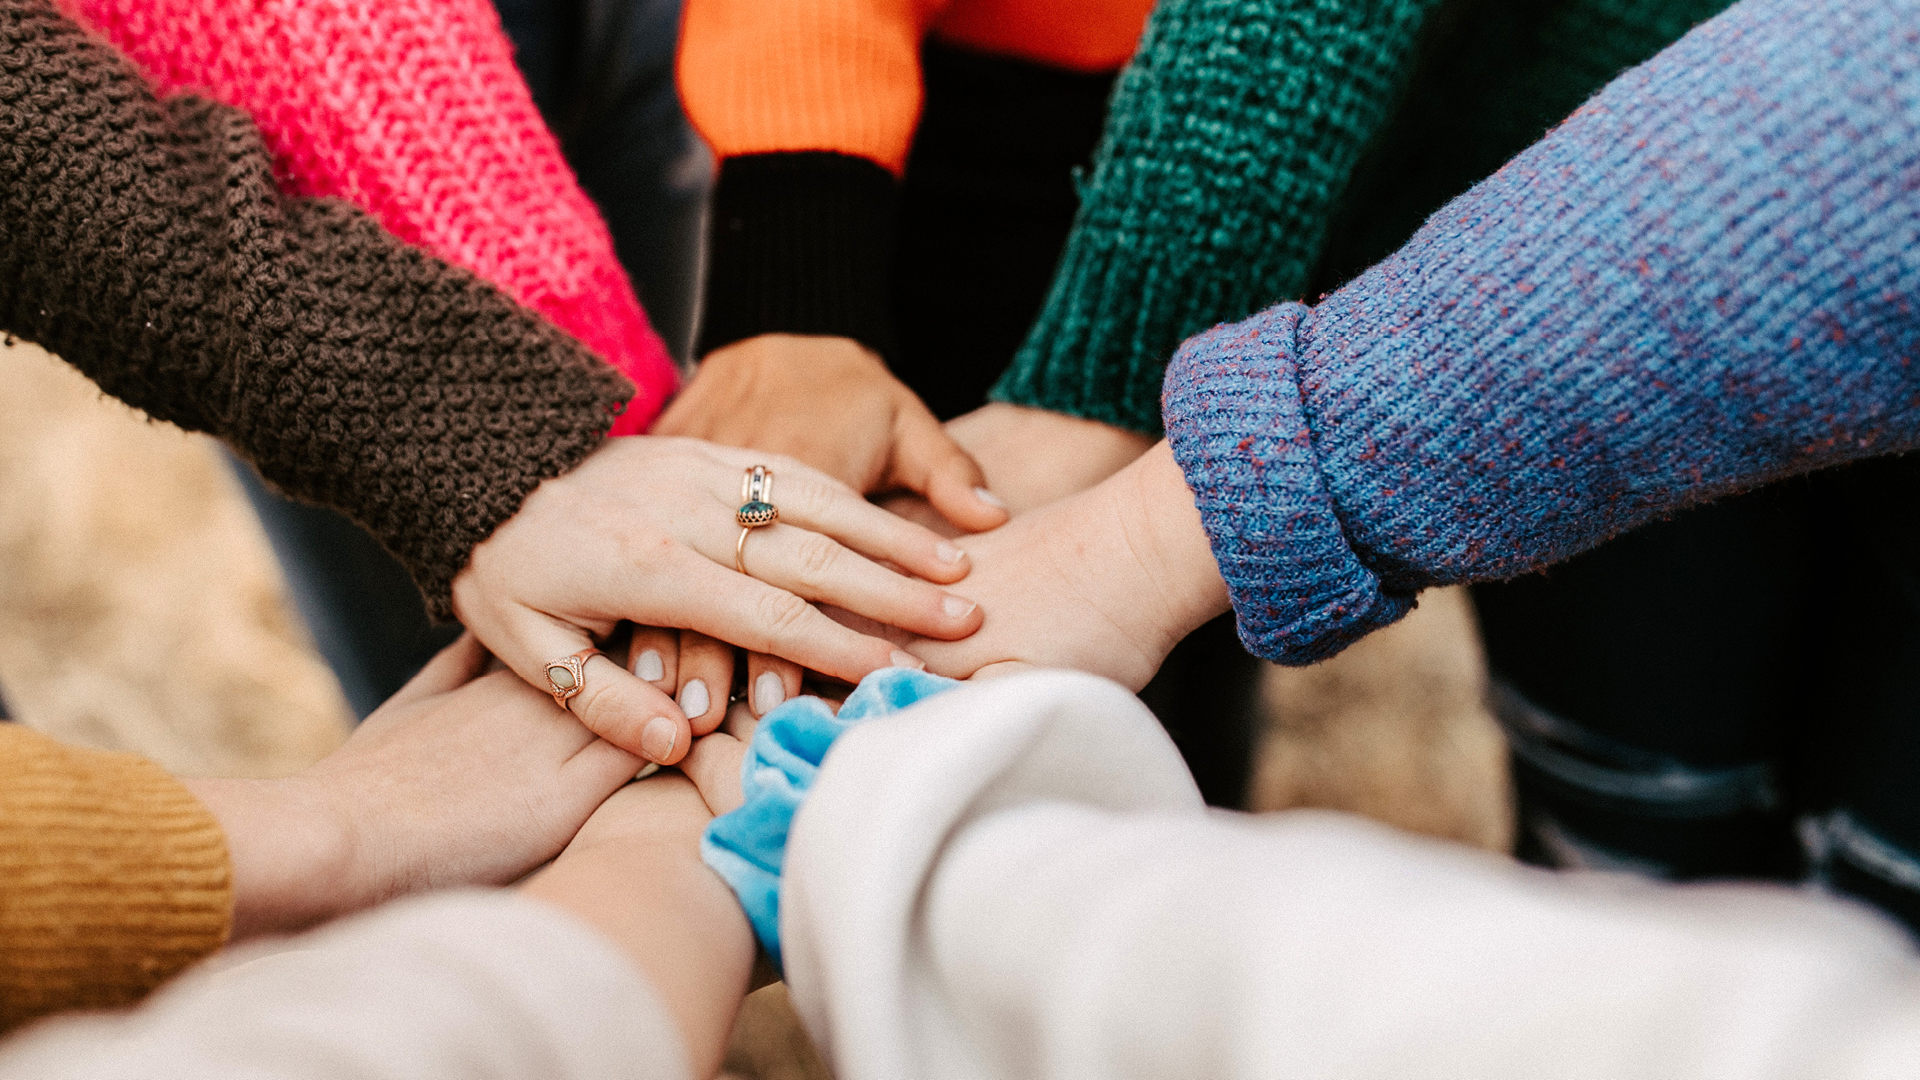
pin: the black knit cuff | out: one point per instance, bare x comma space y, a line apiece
800, 243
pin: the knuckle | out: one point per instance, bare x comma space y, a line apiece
813, 498
782, 613
817, 556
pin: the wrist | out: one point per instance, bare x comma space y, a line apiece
291, 851
1161, 525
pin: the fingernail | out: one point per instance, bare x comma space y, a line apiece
649, 666
907, 660
948, 553
694, 700
989, 498
957, 607
658, 737
768, 693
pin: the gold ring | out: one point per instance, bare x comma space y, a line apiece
756, 510
740, 549
567, 676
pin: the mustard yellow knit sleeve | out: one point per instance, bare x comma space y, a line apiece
112, 877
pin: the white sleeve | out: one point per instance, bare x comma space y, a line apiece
1018, 879
469, 985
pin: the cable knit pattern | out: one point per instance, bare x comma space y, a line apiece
413, 111
1702, 281
149, 247
1230, 136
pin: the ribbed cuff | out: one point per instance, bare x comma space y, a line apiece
801, 243
114, 878
1239, 432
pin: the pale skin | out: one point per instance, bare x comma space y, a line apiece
832, 404
1105, 581
461, 778
643, 530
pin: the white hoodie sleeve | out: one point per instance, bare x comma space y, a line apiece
1018, 879
460, 986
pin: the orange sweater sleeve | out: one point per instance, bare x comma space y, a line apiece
112, 877
761, 76
764, 76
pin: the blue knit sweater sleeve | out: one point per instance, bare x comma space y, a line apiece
1704, 280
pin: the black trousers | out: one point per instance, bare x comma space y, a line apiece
1734, 692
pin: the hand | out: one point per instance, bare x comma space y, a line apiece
1107, 581
644, 530
698, 671
459, 779
1032, 457
829, 402
634, 874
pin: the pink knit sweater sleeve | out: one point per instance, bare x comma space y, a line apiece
413, 111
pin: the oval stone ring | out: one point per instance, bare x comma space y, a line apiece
567, 676
756, 510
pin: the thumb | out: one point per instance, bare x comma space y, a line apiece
927, 460
627, 711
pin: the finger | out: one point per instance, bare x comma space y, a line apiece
770, 681
740, 722
706, 679
630, 713
927, 460
815, 566
818, 504
758, 617
451, 668
654, 656
714, 767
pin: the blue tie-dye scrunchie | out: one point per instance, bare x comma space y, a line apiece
748, 846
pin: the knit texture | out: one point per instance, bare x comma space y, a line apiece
112, 878
148, 246
413, 111
1230, 136
1701, 282
799, 243
764, 76
1489, 78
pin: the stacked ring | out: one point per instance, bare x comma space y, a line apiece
756, 510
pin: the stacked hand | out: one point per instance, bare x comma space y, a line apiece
644, 530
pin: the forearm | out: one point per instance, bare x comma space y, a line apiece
148, 246
649, 894
1647, 309
413, 111
1210, 191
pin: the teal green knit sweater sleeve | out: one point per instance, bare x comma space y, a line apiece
1230, 135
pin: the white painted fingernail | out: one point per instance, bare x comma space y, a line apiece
948, 553
989, 498
768, 693
694, 700
907, 660
649, 666
957, 607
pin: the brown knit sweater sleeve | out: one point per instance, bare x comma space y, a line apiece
147, 244
112, 877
